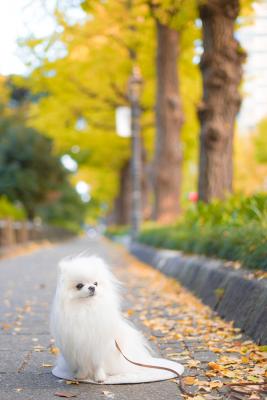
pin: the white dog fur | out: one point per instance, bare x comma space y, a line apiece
86, 320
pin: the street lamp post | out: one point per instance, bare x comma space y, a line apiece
135, 85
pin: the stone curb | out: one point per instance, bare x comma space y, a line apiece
225, 290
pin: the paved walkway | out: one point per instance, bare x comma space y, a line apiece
178, 325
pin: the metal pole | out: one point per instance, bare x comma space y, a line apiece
135, 84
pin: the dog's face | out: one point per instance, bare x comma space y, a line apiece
85, 289
85, 278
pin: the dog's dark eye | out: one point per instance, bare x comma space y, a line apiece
95, 283
79, 286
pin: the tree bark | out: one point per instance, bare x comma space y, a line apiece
169, 119
221, 67
145, 185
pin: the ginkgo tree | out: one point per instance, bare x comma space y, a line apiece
80, 86
172, 20
90, 80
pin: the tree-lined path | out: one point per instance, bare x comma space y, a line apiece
178, 325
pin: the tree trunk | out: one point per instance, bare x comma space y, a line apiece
221, 67
169, 119
145, 185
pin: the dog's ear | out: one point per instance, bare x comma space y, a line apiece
60, 268
62, 265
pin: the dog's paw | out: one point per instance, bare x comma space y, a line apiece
100, 375
80, 375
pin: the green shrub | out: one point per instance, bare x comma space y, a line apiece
117, 230
9, 210
234, 230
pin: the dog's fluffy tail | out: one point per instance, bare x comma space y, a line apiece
133, 344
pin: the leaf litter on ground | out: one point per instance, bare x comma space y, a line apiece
67, 395
190, 328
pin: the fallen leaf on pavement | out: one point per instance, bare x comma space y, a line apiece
193, 363
5, 326
38, 349
216, 384
108, 394
254, 396
210, 374
189, 380
214, 366
67, 395
54, 350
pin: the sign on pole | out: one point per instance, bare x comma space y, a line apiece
123, 121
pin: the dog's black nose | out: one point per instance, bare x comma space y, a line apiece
91, 289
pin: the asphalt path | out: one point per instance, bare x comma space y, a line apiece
27, 284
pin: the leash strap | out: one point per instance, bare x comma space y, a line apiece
147, 365
181, 386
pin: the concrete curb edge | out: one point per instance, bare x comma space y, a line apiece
225, 290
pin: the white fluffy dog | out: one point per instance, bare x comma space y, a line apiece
86, 321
